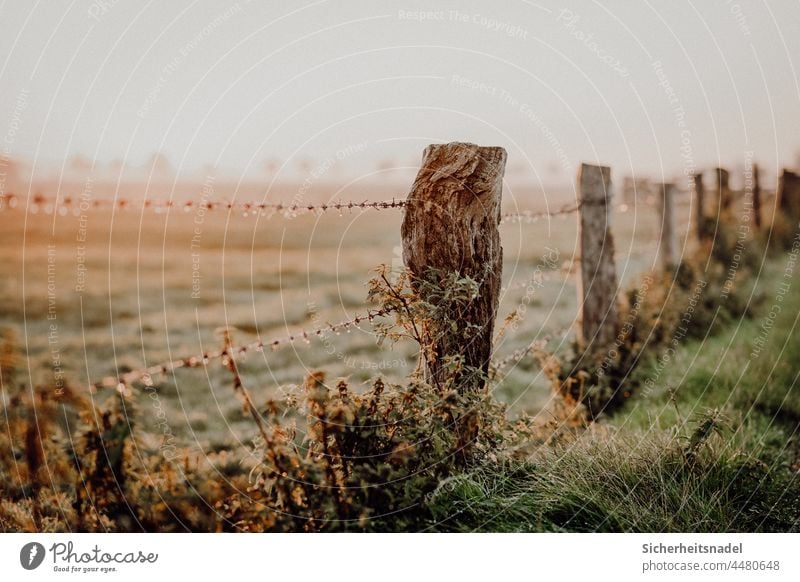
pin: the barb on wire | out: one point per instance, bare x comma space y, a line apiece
78, 205
535, 280
228, 351
538, 344
529, 216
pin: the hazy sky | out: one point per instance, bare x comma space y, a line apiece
644, 86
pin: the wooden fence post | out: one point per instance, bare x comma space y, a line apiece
756, 191
666, 208
597, 287
789, 195
451, 225
700, 202
723, 190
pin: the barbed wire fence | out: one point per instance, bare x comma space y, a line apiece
593, 206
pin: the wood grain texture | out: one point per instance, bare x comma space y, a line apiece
451, 225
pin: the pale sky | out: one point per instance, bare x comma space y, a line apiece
644, 86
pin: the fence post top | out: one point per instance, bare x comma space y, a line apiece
595, 183
468, 148
461, 162
606, 170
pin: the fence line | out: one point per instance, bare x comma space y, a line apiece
457, 197
68, 204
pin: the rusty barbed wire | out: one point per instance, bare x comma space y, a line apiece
77, 205
146, 374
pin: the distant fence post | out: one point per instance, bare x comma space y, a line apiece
723, 190
789, 195
597, 287
666, 209
700, 202
451, 225
756, 191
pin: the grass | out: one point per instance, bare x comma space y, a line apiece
713, 447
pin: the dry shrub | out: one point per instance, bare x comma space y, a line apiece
327, 457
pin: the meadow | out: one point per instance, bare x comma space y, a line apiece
113, 290
691, 427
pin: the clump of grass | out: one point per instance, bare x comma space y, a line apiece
713, 447
622, 483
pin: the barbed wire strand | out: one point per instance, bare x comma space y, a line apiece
519, 354
536, 278
529, 216
77, 205
146, 374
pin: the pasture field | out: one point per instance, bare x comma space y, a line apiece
118, 289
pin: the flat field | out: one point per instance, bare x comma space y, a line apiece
116, 289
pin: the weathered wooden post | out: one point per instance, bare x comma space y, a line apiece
756, 192
723, 190
451, 226
789, 195
597, 287
700, 216
666, 244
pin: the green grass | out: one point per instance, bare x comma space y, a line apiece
712, 447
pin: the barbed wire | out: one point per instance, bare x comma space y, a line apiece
542, 276
77, 205
195, 361
518, 354
529, 216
